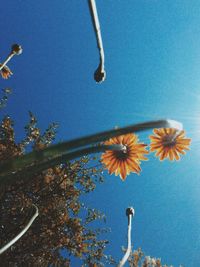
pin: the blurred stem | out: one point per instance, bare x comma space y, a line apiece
37, 161
28, 171
15, 239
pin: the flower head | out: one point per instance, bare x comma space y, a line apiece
16, 49
126, 161
169, 143
5, 72
100, 74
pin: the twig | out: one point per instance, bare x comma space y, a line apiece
9, 244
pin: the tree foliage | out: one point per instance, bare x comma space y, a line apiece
137, 258
62, 228
59, 231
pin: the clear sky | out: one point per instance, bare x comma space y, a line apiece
152, 53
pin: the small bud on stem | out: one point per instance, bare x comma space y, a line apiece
15, 50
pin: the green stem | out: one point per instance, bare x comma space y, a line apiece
30, 171
37, 161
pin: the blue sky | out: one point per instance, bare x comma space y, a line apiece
152, 53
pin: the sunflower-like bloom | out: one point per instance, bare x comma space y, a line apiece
126, 161
169, 143
5, 72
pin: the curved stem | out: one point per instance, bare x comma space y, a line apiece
129, 213
100, 72
39, 160
15, 239
29, 171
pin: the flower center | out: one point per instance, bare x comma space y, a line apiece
122, 154
169, 140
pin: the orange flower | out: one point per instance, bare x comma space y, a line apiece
5, 72
123, 162
169, 143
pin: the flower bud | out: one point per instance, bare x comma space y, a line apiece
16, 49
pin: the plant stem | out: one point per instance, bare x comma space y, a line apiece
29, 171
15, 239
100, 72
6, 61
129, 213
37, 161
